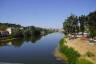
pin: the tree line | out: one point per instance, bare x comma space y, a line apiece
21, 31
4, 26
84, 23
30, 31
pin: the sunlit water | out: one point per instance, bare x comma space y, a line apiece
34, 51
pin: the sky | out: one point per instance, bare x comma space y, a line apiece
43, 13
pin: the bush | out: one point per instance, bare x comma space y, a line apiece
89, 54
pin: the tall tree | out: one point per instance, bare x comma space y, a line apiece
92, 24
83, 23
71, 25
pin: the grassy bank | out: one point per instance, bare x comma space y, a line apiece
7, 39
73, 57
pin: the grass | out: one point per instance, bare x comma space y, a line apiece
89, 54
9, 38
83, 61
72, 55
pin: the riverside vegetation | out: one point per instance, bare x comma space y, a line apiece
18, 31
72, 26
73, 57
75, 26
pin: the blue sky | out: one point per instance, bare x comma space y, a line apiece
43, 13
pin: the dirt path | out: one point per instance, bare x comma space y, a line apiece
83, 47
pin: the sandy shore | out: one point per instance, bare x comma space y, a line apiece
83, 46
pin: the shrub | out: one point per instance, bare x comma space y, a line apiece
89, 54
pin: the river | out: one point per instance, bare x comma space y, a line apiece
38, 50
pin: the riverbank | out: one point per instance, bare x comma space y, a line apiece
86, 49
76, 45
10, 38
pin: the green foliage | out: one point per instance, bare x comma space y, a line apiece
70, 25
83, 61
70, 53
6, 39
89, 54
83, 23
17, 33
73, 24
4, 26
20, 31
92, 24
92, 31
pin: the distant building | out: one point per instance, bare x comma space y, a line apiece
4, 33
9, 30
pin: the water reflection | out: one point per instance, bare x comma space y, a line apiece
19, 41
23, 51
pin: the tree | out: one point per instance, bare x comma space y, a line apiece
92, 24
17, 33
83, 23
70, 25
